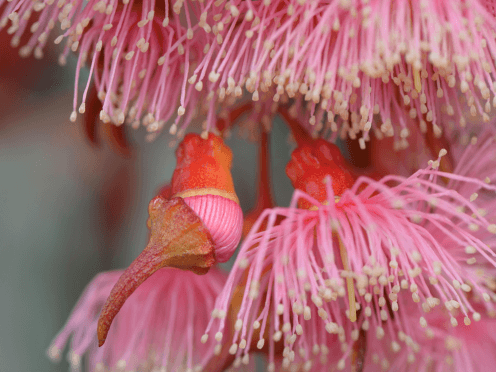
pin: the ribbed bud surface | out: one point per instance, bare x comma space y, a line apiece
224, 220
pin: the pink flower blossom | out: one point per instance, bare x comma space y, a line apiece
354, 272
156, 330
341, 61
139, 61
403, 60
378, 245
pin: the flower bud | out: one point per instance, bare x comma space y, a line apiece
311, 163
193, 222
203, 179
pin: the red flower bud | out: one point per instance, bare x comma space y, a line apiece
200, 224
311, 163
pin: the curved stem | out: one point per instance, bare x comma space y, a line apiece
93, 107
300, 135
240, 110
234, 115
264, 197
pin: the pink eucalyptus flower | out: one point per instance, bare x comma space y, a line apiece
405, 60
378, 245
156, 330
343, 61
385, 348
139, 57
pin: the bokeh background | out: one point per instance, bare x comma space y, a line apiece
68, 209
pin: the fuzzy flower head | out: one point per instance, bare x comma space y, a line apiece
354, 264
157, 329
140, 63
343, 64
350, 60
139, 58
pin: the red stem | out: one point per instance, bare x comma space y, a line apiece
300, 135
238, 111
233, 116
264, 191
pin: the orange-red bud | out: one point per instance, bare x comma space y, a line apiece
203, 167
309, 166
200, 224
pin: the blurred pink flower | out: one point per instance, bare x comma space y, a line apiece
437, 345
463, 348
159, 326
379, 246
138, 63
355, 59
342, 61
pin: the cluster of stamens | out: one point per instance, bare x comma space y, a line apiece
414, 250
196, 55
